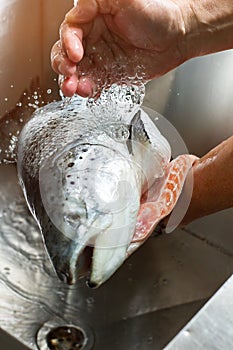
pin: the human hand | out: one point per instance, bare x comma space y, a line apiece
104, 41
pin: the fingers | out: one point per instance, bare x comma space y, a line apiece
76, 25
71, 39
68, 85
85, 11
61, 64
83, 87
69, 51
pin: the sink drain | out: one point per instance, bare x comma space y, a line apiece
68, 338
57, 334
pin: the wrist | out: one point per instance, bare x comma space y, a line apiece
208, 27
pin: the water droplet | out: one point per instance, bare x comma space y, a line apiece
33, 105
118, 132
130, 266
90, 300
150, 340
187, 333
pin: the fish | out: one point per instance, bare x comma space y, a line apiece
97, 184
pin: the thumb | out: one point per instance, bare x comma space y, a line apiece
85, 11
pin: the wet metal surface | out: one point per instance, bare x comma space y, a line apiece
150, 331
211, 328
216, 230
8, 342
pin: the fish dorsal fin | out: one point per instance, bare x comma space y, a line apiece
138, 129
148, 148
143, 130
137, 132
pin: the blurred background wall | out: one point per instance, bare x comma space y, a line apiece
28, 28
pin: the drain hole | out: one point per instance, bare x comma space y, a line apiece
66, 338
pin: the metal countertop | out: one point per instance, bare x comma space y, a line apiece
212, 327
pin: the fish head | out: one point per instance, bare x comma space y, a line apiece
91, 194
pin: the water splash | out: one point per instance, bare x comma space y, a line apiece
114, 100
117, 101
12, 122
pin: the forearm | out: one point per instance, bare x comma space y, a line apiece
208, 26
213, 182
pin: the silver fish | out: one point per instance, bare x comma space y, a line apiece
84, 175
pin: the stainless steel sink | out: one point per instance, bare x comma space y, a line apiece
163, 284
9, 342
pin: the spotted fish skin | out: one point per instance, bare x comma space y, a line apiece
83, 177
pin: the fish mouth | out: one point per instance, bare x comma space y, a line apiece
98, 262
84, 262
